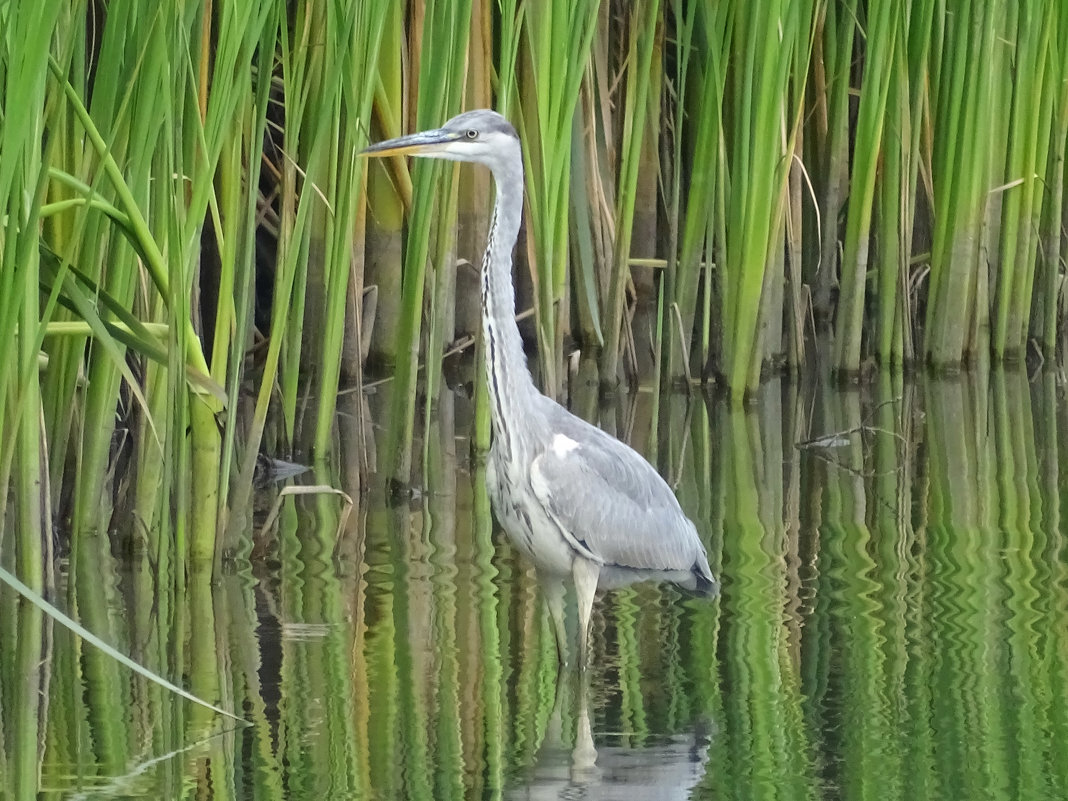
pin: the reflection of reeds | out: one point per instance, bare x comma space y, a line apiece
885, 586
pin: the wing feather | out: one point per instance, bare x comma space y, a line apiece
611, 502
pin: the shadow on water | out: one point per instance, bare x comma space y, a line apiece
891, 624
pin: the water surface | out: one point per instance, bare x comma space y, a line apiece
892, 624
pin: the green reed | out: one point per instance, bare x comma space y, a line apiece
389, 194
429, 246
827, 149
168, 151
882, 28
1029, 129
1052, 244
762, 121
22, 184
894, 227
701, 33
358, 33
553, 53
639, 110
900, 146
964, 112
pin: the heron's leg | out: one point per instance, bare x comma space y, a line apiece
585, 573
553, 588
584, 754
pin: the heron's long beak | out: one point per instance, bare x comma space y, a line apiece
416, 144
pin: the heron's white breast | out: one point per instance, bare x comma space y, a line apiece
513, 494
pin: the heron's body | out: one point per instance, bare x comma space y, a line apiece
580, 504
579, 493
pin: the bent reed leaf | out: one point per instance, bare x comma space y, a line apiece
74, 626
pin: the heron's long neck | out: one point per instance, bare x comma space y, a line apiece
510, 383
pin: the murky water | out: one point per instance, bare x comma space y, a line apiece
893, 624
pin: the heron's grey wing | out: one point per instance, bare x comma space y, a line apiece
611, 503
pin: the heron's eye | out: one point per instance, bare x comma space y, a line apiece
472, 134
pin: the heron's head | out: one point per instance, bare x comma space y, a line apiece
482, 136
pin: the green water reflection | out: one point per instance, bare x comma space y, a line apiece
893, 624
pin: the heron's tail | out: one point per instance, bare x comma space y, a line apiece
705, 583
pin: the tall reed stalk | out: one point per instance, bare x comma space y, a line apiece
898, 190
701, 36
442, 40
23, 180
553, 54
971, 55
829, 147
882, 27
1030, 117
638, 114
759, 152
1053, 224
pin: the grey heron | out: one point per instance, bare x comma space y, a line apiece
578, 502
